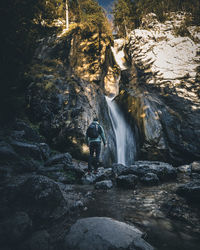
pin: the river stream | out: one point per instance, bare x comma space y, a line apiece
167, 220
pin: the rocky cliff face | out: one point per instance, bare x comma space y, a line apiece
160, 91
66, 89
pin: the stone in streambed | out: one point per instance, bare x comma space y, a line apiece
150, 179
127, 181
103, 233
191, 191
163, 170
104, 185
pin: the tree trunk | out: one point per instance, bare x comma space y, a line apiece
67, 15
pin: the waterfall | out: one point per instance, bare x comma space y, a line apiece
125, 142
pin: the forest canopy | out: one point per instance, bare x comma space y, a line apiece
128, 13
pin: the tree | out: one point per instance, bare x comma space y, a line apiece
123, 16
67, 15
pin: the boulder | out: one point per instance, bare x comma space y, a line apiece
15, 229
191, 191
103, 234
23, 131
41, 191
163, 170
76, 170
150, 179
44, 148
7, 153
37, 195
27, 166
195, 176
39, 240
104, 184
195, 167
120, 169
64, 159
102, 174
184, 169
89, 179
27, 150
127, 181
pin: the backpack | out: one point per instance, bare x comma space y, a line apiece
93, 130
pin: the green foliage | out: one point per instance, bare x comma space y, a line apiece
92, 14
123, 13
128, 13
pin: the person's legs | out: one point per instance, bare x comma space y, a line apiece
97, 152
92, 149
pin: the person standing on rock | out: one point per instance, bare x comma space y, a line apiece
94, 136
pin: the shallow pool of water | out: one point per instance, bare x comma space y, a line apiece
166, 219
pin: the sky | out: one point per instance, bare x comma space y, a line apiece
106, 4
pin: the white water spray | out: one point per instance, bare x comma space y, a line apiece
125, 142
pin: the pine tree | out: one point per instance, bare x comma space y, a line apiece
123, 16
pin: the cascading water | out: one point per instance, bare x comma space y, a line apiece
125, 142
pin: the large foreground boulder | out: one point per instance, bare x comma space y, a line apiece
39, 196
103, 233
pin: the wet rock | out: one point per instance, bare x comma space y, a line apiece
195, 167
7, 153
78, 204
195, 176
150, 179
89, 179
104, 184
27, 166
102, 174
64, 159
53, 168
5, 172
163, 170
27, 150
39, 240
191, 191
15, 229
38, 195
78, 171
41, 190
120, 169
23, 131
127, 181
184, 169
104, 233
45, 150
